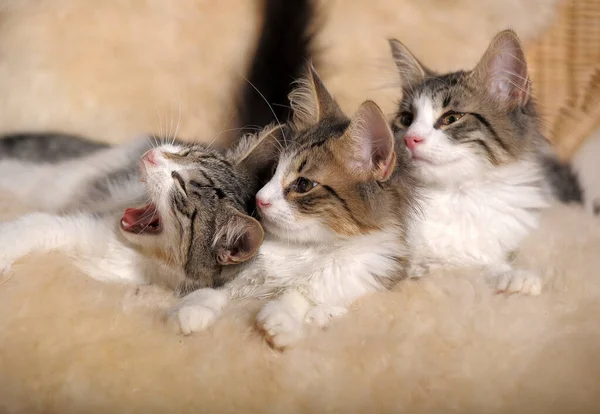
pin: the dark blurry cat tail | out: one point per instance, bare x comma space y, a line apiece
563, 180
46, 147
284, 47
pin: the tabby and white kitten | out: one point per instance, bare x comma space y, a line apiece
335, 215
195, 219
475, 143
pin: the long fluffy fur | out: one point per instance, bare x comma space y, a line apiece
443, 344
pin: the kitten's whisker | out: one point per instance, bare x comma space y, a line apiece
269, 105
178, 123
222, 129
160, 127
167, 136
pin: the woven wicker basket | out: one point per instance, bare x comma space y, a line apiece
565, 69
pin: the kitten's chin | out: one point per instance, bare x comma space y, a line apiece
309, 233
448, 174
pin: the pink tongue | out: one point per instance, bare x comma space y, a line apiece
140, 219
134, 216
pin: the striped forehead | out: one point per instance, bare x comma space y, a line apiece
442, 90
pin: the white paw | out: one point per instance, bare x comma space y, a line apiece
279, 326
195, 318
321, 315
199, 310
520, 281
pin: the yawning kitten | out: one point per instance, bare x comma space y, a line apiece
335, 214
474, 140
195, 221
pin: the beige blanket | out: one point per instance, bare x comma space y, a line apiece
442, 344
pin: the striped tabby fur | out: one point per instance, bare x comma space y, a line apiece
475, 142
336, 215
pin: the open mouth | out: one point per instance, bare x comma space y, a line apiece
144, 220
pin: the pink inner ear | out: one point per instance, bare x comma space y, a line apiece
508, 73
372, 142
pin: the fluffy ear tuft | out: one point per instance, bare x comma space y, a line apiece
503, 70
238, 240
368, 144
260, 153
410, 69
310, 101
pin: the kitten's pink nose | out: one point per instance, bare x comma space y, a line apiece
262, 204
412, 141
150, 157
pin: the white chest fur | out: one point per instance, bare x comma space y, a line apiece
335, 274
477, 223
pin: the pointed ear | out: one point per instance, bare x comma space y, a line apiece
503, 70
259, 153
368, 144
410, 69
310, 101
238, 240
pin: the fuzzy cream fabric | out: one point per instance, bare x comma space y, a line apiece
442, 344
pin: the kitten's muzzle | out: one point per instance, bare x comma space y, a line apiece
262, 204
151, 157
412, 141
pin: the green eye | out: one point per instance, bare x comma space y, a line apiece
302, 185
406, 118
184, 153
450, 118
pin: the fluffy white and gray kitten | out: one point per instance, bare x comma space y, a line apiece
335, 215
191, 214
488, 172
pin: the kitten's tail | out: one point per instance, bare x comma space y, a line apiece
46, 147
563, 180
284, 47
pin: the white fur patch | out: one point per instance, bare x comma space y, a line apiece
91, 242
335, 274
480, 222
438, 160
282, 320
200, 309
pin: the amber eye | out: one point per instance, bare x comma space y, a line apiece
450, 118
406, 118
302, 185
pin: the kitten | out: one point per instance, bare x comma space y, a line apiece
475, 143
194, 222
197, 218
335, 215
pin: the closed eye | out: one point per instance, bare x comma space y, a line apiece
179, 180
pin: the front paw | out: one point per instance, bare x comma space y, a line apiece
519, 281
198, 310
279, 326
195, 318
321, 315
